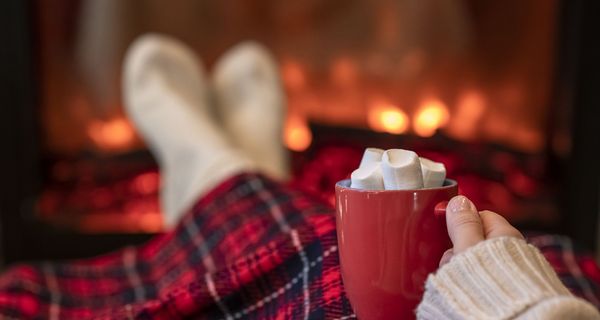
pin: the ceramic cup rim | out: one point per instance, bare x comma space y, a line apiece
345, 184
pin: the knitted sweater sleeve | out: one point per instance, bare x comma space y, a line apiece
501, 278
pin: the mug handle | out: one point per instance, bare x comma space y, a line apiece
440, 209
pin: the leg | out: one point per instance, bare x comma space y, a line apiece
165, 95
250, 248
252, 105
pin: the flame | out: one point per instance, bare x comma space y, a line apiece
432, 114
386, 117
412, 63
526, 138
344, 72
115, 134
297, 135
470, 109
293, 75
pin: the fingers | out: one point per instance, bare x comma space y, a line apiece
465, 227
494, 226
446, 257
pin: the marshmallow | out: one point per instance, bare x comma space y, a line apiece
434, 173
371, 155
367, 177
401, 169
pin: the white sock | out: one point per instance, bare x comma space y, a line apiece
401, 169
252, 105
165, 95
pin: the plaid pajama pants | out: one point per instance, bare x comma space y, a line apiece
251, 249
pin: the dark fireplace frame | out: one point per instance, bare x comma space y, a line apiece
22, 238
577, 86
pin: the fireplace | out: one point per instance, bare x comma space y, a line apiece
506, 85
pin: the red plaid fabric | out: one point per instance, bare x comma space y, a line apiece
577, 270
251, 249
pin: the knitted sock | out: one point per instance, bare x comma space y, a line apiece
165, 95
252, 105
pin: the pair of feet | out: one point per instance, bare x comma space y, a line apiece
204, 131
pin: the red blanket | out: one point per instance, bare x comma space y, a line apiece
250, 249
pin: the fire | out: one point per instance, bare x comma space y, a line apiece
297, 135
146, 183
152, 222
293, 75
344, 72
470, 109
385, 117
115, 134
432, 114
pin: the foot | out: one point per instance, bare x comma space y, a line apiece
165, 94
252, 105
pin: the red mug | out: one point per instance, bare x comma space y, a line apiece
389, 241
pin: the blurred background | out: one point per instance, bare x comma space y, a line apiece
503, 92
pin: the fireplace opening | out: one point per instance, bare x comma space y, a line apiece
457, 79
502, 94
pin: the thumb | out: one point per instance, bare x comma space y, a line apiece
464, 224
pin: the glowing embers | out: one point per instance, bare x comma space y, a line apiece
146, 183
122, 205
431, 115
385, 117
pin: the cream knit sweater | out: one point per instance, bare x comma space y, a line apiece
502, 278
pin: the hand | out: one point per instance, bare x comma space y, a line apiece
467, 227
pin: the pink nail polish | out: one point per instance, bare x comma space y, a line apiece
460, 203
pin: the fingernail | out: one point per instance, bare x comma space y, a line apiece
460, 203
